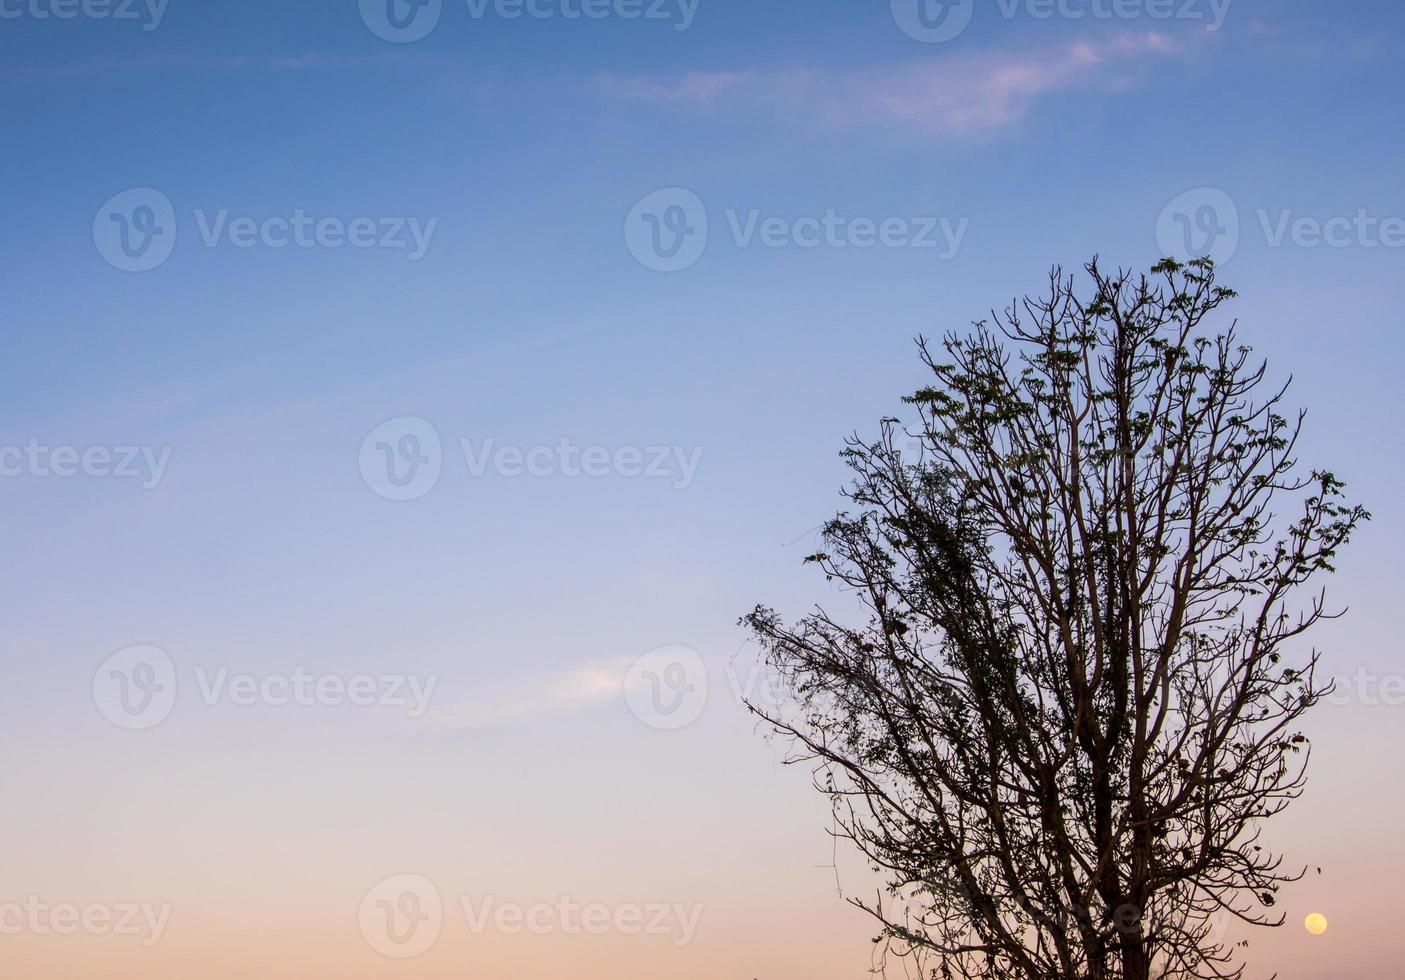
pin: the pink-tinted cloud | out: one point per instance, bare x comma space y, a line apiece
960, 95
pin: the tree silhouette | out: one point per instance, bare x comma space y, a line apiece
1067, 702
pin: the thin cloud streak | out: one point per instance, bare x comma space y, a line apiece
963, 95
581, 687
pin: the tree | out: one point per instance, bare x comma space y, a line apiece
1066, 702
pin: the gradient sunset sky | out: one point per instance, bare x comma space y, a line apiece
593, 271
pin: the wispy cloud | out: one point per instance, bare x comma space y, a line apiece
957, 95
577, 688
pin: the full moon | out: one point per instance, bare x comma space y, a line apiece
1316, 923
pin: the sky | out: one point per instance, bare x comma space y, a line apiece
403, 401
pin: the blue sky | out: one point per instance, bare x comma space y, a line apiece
528, 320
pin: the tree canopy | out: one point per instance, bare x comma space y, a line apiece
1073, 696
